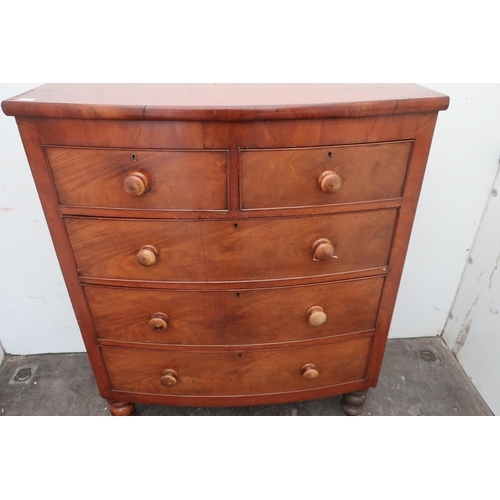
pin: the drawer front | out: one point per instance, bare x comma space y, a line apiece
171, 180
234, 373
283, 178
234, 317
243, 250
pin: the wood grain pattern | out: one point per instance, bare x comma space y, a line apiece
232, 401
223, 215
180, 180
206, 251
241, 373
224, 185
48, 198
423, 139
236, 285
224, 135
228, 102
289, 177
239, 317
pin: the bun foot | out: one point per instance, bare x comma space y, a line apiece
353, 403
120, 409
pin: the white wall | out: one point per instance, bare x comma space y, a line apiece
473, 331
35, 313
460, 172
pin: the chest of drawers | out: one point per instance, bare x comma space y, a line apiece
230, 245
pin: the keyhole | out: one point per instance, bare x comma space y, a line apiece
238, 295
236, 227
330, 155
134, 157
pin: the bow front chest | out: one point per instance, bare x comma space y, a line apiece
230, 245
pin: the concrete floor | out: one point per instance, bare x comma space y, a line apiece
419, 377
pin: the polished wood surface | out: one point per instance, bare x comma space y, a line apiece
290, 177
236, 317
121, 408
182, 135
48, 198
423, 139
230, 245
316, 316
234, 102
234, 373
209, 251
309, 372
323, 250
169, 378
158, 322
174, 180
136, 183
330, 182
147, 256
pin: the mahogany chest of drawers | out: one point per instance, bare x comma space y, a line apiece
230, 245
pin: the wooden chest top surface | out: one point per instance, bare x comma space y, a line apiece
220, 102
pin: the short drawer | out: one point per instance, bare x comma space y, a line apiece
236, 373
140, 179
243, 317
228, 251
304, 177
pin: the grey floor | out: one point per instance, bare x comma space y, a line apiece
419, 377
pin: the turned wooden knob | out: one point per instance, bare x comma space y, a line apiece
323, 249
158, 322
330, 182
169, 378
147, 255
316, 316
309, 372
136, 184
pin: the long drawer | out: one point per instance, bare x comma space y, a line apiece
236, 373
301, 177
228, 251
236, 317
140, 179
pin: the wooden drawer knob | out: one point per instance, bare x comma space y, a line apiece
169, 378
309, 372
330, 182
323, 249
158, 322
147, 255
316, 316
136, 184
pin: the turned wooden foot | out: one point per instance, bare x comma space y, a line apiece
121, 409
353, 403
